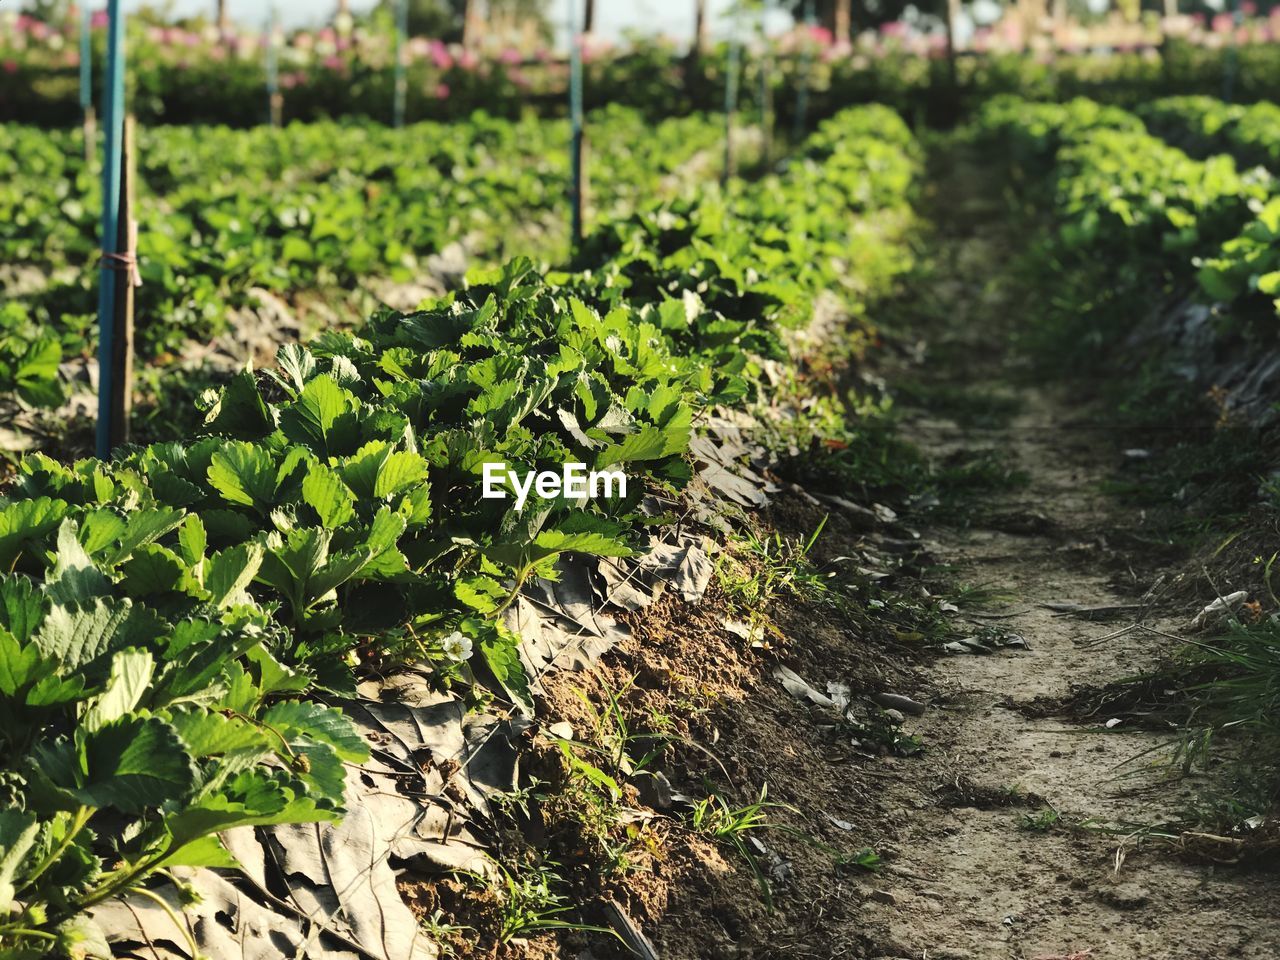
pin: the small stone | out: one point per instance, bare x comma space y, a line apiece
897, 716
883, 896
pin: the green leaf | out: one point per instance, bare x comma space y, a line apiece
18, 832
322, 416
133, 764
326, 494
399, 472
153, 569
144, 527
192, 540
74, 578
79, 636
206, 851
240, 411
228, 574
209, 734
650, 443
244, 474
329, 725
131, 673
22, 607
19, 666
24, 522
297, 364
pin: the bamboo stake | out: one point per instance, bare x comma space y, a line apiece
127, 245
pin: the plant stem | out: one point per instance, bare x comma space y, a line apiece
77, 824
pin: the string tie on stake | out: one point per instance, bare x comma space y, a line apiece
126, 261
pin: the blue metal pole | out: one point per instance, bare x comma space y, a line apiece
86, 58
575, 120
113, 128
402, 80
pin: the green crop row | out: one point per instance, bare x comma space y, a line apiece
1245, 271
167, 618
1203, 126
224, 213
1125, 196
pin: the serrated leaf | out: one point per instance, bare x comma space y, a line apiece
79, 636
399, 472
153, 569
25, 522
244, 474
18, 832
133, 764
332, 500
22, 607
298, 718
228, 574
321, 417
649, 443
74, 579
131, 672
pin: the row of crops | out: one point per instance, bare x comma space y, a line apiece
170, 621
1130, 199
319, 211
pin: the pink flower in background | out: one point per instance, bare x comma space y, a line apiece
38, 29
510, 56
99, 20
519, 78
1249, 8
344, 43
71, 58
304, 41
292, 80
333, 62
327, 35
442, 91
894, 28
1222, 23
10, 66
820, 35
440, 55
190, 39
467, 60
156, 35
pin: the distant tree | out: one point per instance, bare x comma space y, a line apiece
447, 19
50, 11
699, 25
843, 17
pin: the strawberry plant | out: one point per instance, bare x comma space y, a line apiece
169, 620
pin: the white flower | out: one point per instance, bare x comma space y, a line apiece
456, 647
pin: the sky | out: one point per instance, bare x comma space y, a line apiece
671, 17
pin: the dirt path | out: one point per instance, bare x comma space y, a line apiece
980, 869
